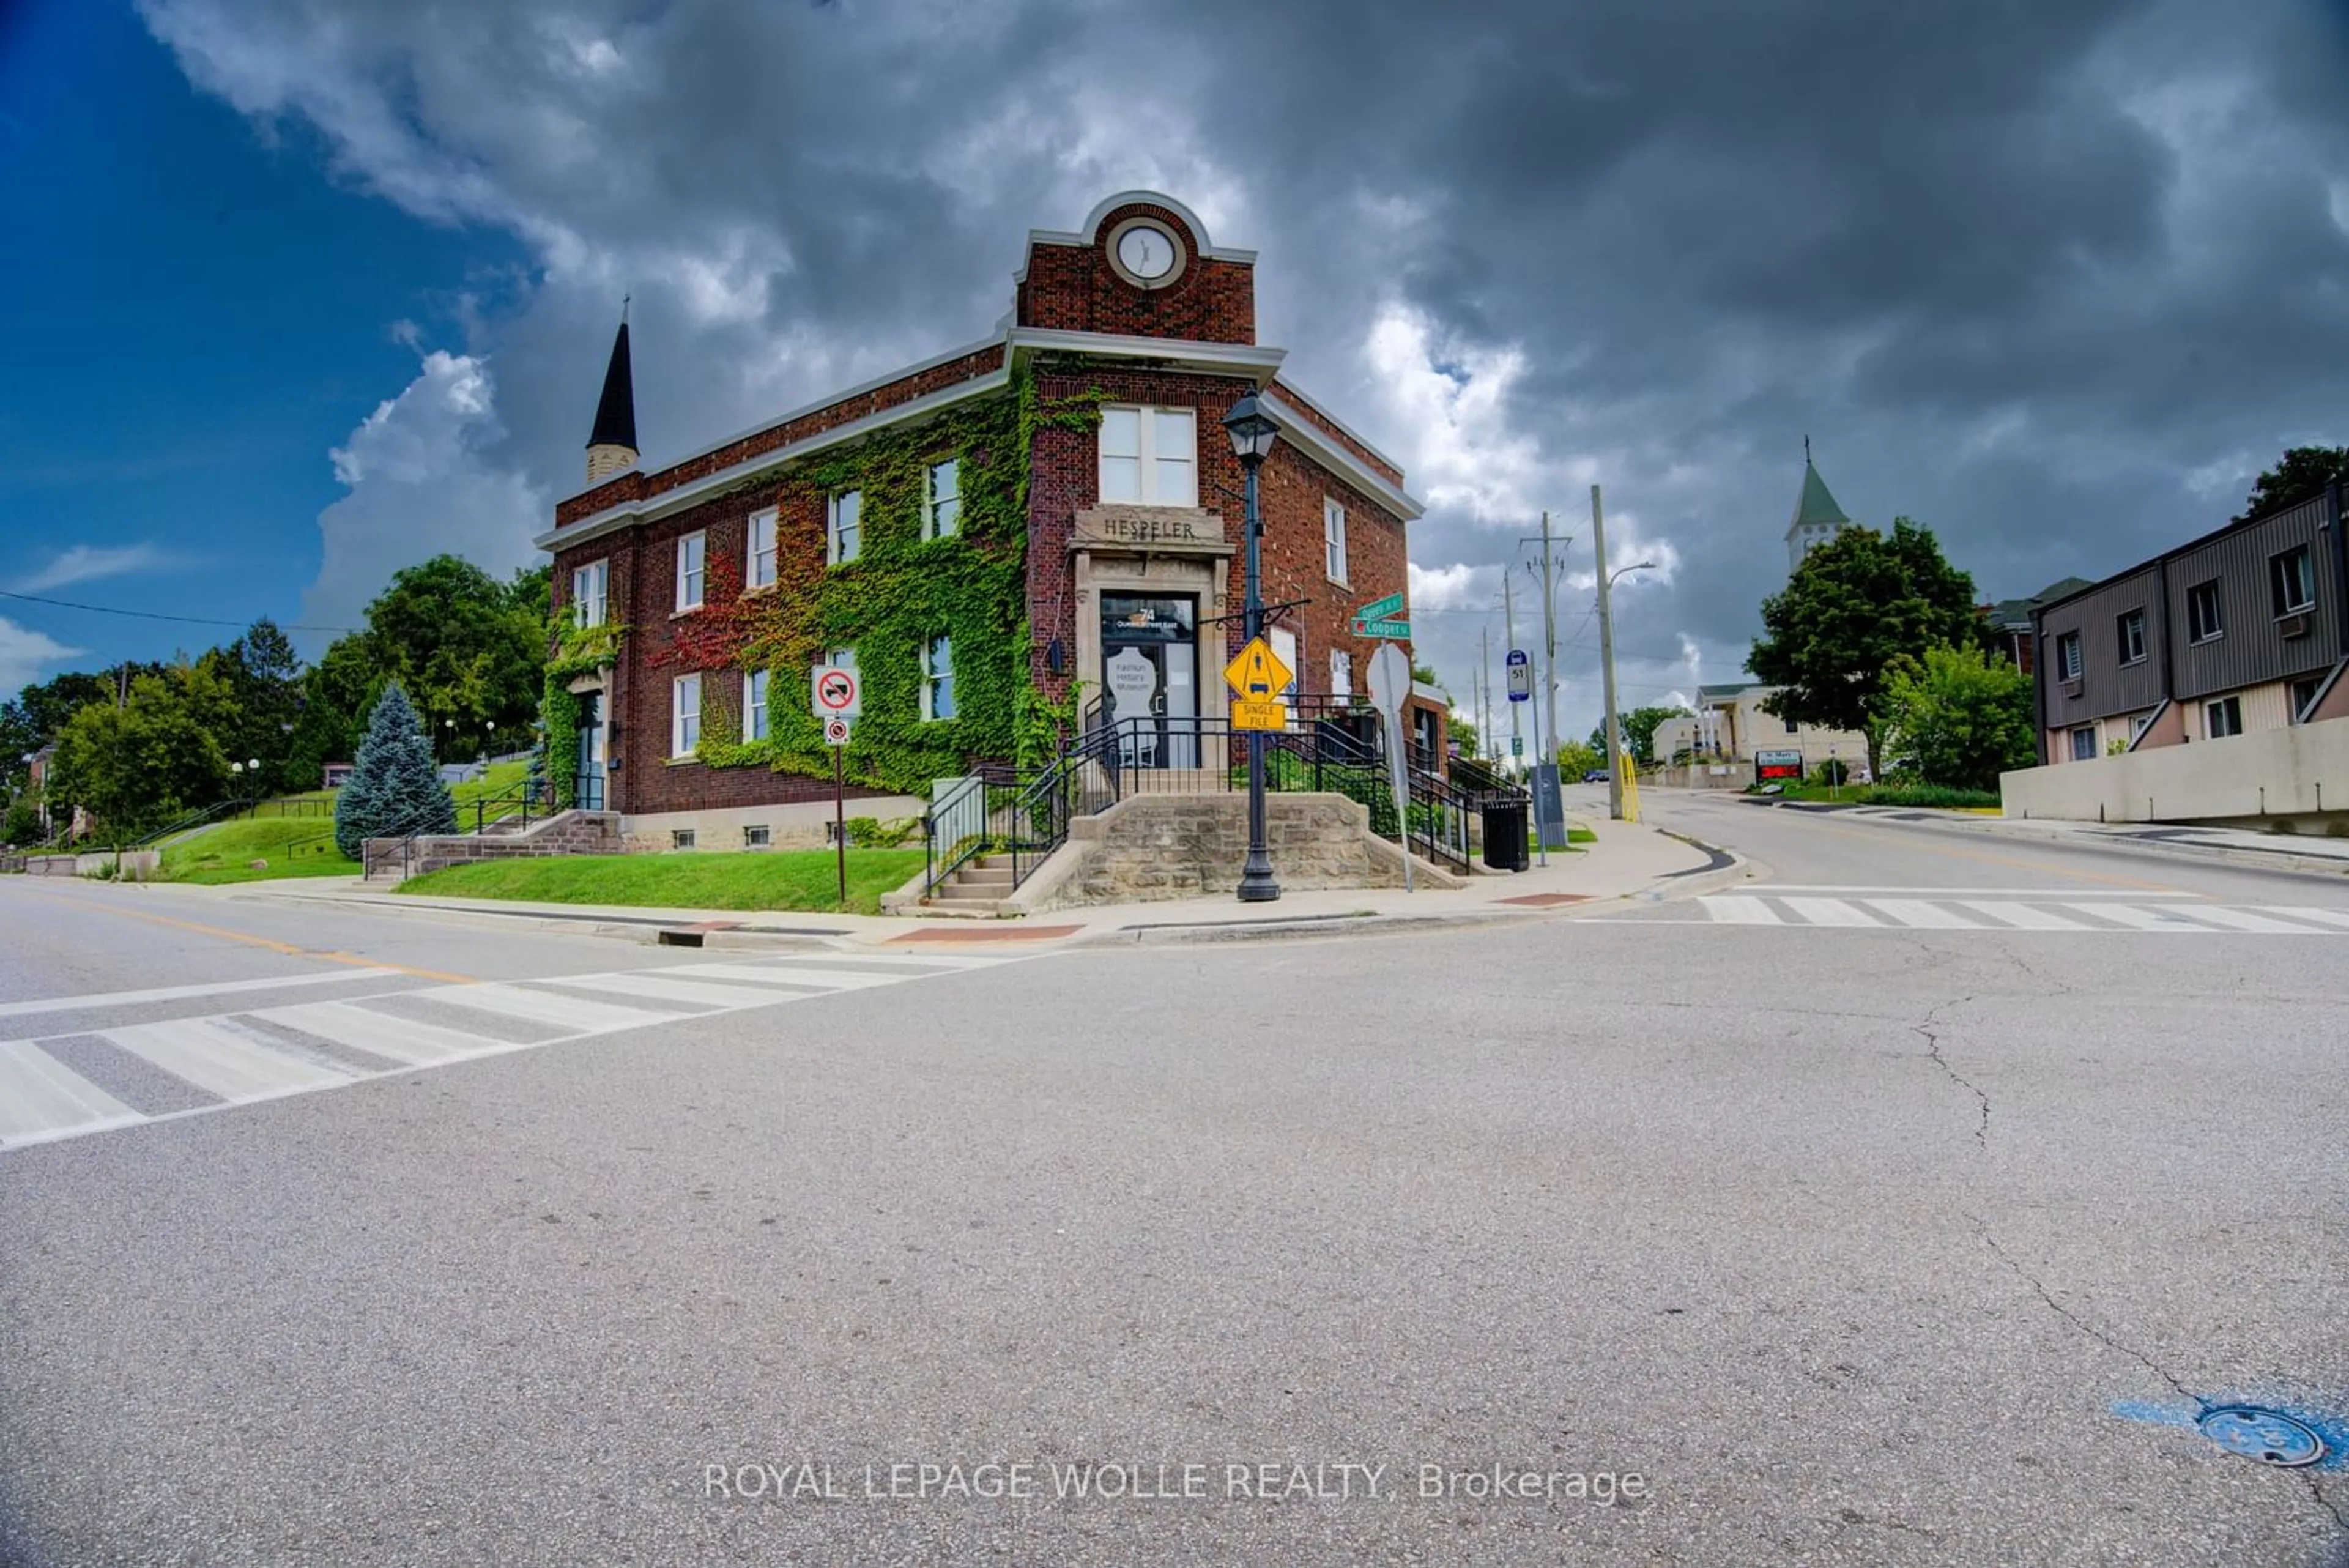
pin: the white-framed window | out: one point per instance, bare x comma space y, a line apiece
682, 837
758, 836
589, 591
941, 506
2303, 693
2068, 656
760, 566
843, 528
692, 569
684, 715
2084, 743
1342, 674
2203, 618
1333, 539
1284, 647
2138, 724
2222, 718
937, 679
2132, 637
1150, 456
755, 704
2290, 584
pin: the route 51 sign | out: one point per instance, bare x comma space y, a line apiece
834, 692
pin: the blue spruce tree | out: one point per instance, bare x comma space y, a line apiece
394, 789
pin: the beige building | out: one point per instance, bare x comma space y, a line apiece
1730, 730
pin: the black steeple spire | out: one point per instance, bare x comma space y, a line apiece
615, 414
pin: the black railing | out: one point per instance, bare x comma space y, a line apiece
515, 806
1336, 748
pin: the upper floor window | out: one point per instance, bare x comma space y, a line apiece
2068, 656
1150, 456
692, 560
761, 564
938, 680
1333, 539
2203, 621
1342, 674
589, 584
754, 705
2290, 584
942, 514
1793, 728
2132, 635
844, 529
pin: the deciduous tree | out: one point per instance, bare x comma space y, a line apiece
1962, 715
1858, 603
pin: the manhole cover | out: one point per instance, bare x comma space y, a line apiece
2262, 1435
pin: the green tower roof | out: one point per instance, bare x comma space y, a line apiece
1814, 505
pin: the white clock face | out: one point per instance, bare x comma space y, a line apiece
1147, 252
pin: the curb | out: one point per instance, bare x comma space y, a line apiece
1308, 928
646, 929
2239, 855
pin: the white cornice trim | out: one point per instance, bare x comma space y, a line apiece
627, 514
1258, 363
1316, 443
1348, 430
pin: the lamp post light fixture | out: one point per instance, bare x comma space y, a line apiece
1253, 432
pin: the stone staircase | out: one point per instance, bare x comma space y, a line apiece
978, 888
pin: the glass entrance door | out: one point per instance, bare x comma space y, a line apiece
1150, 677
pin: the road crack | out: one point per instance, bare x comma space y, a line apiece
2316, 1491
2068, 1315
1933, 1054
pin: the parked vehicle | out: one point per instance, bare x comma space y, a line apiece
1596, 775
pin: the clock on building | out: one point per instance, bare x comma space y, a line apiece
1147, 252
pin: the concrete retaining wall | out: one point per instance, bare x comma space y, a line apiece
565, 833
2294, 777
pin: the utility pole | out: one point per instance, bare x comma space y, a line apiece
1607, 663
1545, 763
1509, 630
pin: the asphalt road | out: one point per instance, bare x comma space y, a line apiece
1900, 1204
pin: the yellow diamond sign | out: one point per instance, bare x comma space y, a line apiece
1257, 673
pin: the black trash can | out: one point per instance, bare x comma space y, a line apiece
1507, 835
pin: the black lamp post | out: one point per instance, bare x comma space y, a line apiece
1253, 433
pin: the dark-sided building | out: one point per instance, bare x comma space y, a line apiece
2240, 631
1014, 538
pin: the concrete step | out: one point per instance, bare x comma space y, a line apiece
999, 876
962, 891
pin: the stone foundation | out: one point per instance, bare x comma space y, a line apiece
565, 833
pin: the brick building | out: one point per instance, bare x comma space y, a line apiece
1049, 517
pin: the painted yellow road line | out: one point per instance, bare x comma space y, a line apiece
289, 949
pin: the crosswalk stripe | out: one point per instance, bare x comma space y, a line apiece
2242, 920
762, 974
1826, 911
181, 992
1729, 909
2135, 919
362, 1028
40, 1096
574, 1013
1917, 913
221, 1059
2028, 917
2326, 917
662, 987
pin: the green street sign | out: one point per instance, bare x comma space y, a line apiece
1387, 609
1399, 629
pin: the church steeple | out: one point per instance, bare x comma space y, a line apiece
1818, 518
612, 444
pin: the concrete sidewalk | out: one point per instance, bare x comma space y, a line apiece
2240, 846
1627, 859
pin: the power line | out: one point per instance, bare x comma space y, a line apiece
155, 615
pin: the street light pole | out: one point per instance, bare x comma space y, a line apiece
1607, 654
1253, 432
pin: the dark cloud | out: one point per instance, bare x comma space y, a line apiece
2056, 278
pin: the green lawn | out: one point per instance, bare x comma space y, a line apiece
779, 880
299, 845
293, 846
